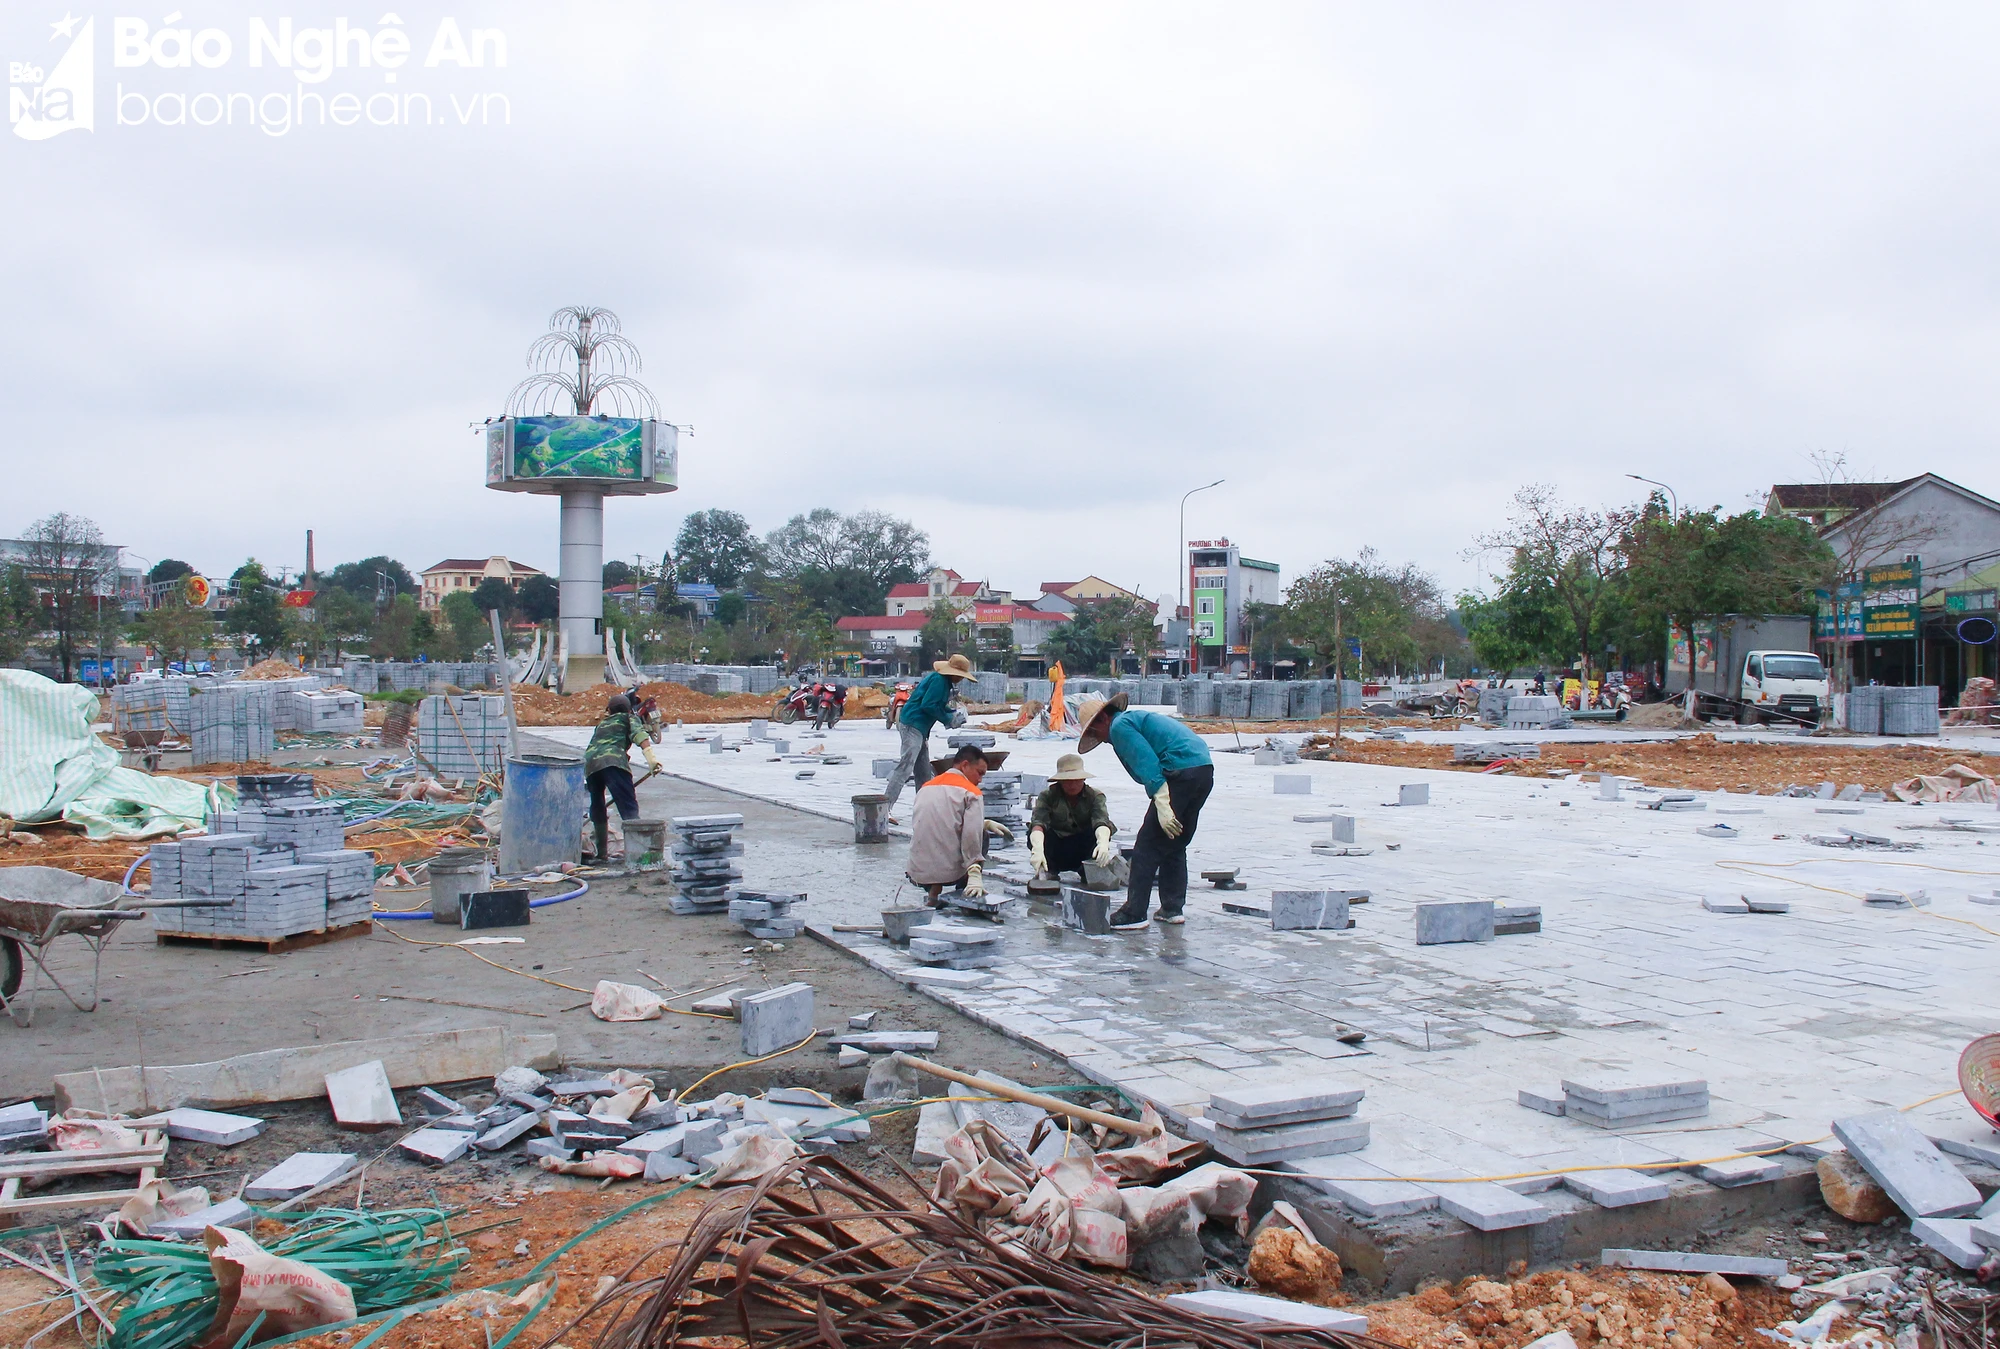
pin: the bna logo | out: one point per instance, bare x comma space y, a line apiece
43, 104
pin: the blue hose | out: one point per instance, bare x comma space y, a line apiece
582, 887
131, 871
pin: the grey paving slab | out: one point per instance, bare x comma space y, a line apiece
1364, 1187
1903, 1162
1690, 1262
1616, 1187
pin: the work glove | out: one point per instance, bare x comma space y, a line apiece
1170, 824
1038, 852
999, 830
956, 719
975, 885
1103, 854
652, 760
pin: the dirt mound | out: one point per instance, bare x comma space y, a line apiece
1666, 716
271, 669
1628, 1310
537, 706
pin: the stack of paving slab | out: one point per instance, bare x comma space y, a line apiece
1631, 1102
152, 705
1260, 1125
957, 946
716, 683
462, 735
278, 859
1000, 792
1533, 711
1495, 750
230, 723
325, 713
702, 862
767, 914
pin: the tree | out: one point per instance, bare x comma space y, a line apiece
715, 547
175, 630
1571, 552
337, 617
617, 573
730, 608
362, 579
1391, 611
67, 560
494, 593
258, 615
942, 632
845, 564
251, 573
465, 628
20, 615
540, 599
396, 635
1099, 632
169, 569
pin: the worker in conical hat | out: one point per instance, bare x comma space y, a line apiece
929, 704
1071, 823
1172, 763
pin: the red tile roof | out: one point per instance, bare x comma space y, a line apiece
1057, 587
909, 590
967, 588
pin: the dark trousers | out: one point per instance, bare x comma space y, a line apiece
1067, 852
617, 784
1154, 855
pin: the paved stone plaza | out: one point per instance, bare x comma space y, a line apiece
1832, 1009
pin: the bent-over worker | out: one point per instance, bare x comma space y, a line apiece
948, 827
928, 705
1071, 822
1172, 764
607, 768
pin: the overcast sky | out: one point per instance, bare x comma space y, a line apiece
1021, 273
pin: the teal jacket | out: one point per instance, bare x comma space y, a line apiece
1152, 746
930, 703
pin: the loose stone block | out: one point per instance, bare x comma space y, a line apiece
362, 1099
501, 1135
645, 1145
1724, 903
1414, 794
1687, 1262
1325, 1094
436, 1146
1343, 829
776, 1020
935, 1123
1256, 1147
1608, 1091
229, 1213
1442, 922
659, 1166
210, 1126
1953, 1238
1516, 920
1308, 910
940, 976
1542, 1101
1739, 1171
298, 1173
1906, 1164
1256, 1309
1386, 1197
850, 1057
888, 1041
862, 1021
1490, 1207
1616, 1187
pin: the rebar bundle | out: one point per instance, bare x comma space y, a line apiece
816, 1254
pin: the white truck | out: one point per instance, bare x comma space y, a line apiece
1764, 670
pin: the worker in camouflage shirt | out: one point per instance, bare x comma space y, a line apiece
607, 768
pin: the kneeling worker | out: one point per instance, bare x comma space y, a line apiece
1071, 822
1172, 764
607, 768
948, 827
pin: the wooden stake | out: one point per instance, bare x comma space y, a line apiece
1048, 1103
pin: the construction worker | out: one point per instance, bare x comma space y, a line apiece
607, 768
928, 705
947, 846
1071, 822
1172, 764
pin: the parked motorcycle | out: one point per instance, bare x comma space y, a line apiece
803, 701
832, 706
897, 697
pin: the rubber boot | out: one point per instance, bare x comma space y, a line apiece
603, 830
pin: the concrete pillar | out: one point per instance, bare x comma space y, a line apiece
582, 571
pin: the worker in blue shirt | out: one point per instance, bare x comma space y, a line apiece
930, 703
1172, 764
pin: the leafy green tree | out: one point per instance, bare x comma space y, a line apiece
1393, 612
362, 579
845, 564
730, 608
20, 615
465, 628
715, 547
1098, 633
258, 619
395, 635
1571, 554
617, 573
66, 560
494, 593
169, 569
540, 599
174, 630
251, 573
942, 633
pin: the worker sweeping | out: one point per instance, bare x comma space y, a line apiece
947, 843
929, 705
607, 768
1071, 822
1172, 764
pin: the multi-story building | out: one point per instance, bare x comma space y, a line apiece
466, 573
942, 584
1221, 582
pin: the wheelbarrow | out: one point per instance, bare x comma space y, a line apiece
38, 905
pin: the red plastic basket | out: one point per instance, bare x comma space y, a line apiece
1979, 1077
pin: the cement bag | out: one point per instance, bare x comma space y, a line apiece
158, 1200
1152, 1214
621, 1106
983, 1174
605, 1165
1096, 1211
290, 1294
95, 1135
625, 1002
1147, 1158
753, 1159
1216, 1191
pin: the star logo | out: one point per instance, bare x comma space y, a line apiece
67, 27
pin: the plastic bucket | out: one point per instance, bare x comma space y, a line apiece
871, 818
455, 873
541, 813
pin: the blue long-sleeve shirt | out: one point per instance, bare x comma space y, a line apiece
1151, 746
930, 703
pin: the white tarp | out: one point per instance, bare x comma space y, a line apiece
53, 766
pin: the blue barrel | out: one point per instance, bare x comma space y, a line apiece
541, 813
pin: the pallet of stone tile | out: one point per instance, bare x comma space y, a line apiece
318, 827
1493, 753
268, 945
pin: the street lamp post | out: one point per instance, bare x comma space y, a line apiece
1180, 566
1672, 496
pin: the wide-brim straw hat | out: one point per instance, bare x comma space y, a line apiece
1069, 768
994, 758
956, 665
1088, 714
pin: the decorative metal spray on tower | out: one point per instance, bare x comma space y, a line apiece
610, 442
